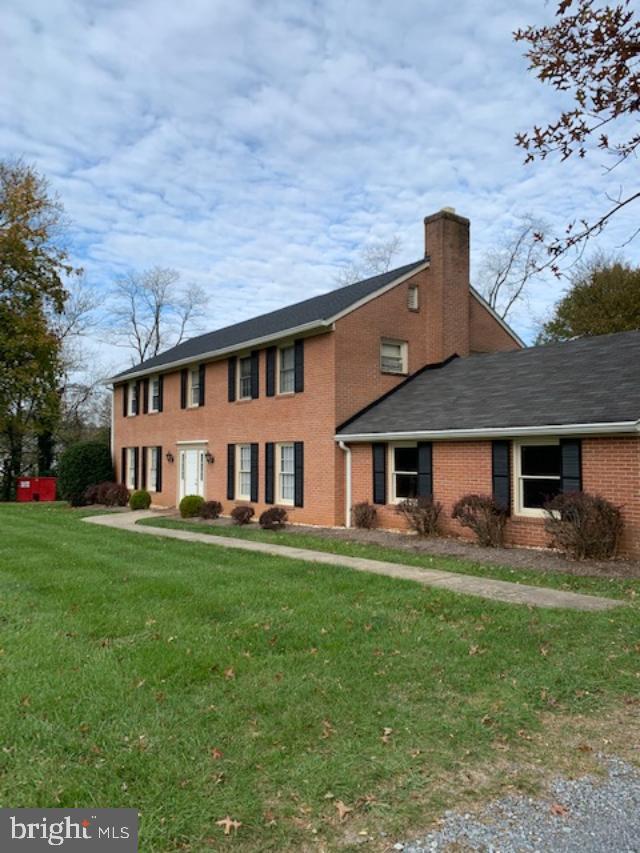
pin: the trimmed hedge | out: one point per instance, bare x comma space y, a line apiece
274, 518
82, 465
191, 506
242, 514
211, 509
141, 499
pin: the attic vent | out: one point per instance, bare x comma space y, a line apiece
413, 297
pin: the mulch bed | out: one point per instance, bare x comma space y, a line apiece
542, 560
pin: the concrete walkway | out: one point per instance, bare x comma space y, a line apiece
514, 593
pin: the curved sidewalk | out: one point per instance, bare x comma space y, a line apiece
497, 590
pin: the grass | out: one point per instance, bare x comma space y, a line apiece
612, 587
193, 683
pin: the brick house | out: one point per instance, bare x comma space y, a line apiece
402, 384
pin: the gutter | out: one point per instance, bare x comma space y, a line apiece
494, 432
347, 483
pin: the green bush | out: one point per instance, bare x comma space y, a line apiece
141, 499
82, 465
190, 506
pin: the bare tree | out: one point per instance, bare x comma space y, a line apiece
374, 260
152, 311
506, 270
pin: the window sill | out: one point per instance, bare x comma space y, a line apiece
285, 394
394, 372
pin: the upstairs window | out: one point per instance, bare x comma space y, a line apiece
404, 472
413, 297
154, 394
538, 470
244, 378
393, 356
133, 398
286, 370
194, 387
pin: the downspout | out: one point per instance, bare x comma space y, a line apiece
347, 484
112, 436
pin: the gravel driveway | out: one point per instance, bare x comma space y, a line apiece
586, 815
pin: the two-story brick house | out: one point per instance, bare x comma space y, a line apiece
298, 407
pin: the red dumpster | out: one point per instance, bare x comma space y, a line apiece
36, 489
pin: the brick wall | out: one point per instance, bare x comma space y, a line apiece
485, 332
610, 467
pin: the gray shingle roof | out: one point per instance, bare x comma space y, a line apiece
589, 380
317, 309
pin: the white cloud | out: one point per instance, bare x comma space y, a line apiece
255, 146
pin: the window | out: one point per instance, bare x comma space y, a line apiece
393, 356
152, 469
133, 398
413, 297
404, 472
244, 472
154, 394
131, 468
286, 474
286, 370
537, 466
244, 378
194, 386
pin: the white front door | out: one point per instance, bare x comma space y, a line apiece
191, 472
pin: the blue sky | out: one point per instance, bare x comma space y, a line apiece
257, 146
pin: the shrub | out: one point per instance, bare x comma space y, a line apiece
190, 506
482, 514
113, 494
140, 499
211, 509
91, 494
82, 465
242, 514
422, 514
364, 515
583, 525
274, 518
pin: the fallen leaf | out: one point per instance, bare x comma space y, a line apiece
343, 810
327, 729
229, 823
216, 753
229, 674
386, 734
559, 810
473, 650
584, 747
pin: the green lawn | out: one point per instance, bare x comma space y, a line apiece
194, 683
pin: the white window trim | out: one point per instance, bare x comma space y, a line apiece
391, 472
131, 468
404, 351
152, 453
132, 392
240, 495
190, 386
150, 407
518, 489
278, 466
279, 391
239, 394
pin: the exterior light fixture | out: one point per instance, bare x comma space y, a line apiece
209, 457
169, 456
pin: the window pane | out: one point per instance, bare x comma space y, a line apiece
286, 381
245, 458
541, 460
537, 492
286, 458
245, 484
286, 358
405, 459
286, 487
245, 366
245, 377
406, 485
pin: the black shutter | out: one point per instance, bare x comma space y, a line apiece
145, 396
269, 462
143, 479
298, 467
571, 465
299, 366
231, 471
425, 469
379, 473
123, 464
271, 372
201, 376
136, 465
158, 469
255, 374
254, 473
160, 391
138, 396
231, 394
184, 387
125, 399
501, 473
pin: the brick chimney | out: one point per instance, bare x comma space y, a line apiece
446, 237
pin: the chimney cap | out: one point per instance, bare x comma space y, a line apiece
447, 210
